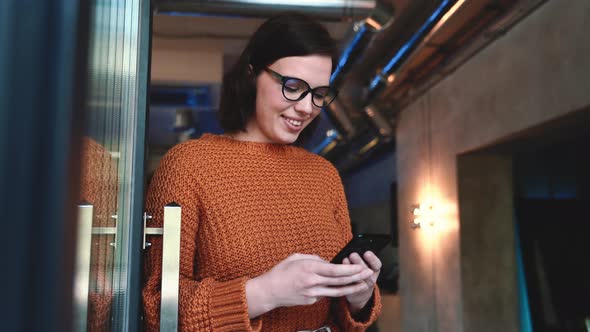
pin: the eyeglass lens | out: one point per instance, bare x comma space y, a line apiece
295, 89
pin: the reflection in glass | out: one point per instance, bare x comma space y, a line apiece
99, 187
112, 151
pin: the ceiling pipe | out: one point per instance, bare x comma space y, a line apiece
385, 77
385, 134
485, 35
369, 146
331, 140
338, 114
380, 18
379, 121
395, 78
399, 75
363, 32
327, 10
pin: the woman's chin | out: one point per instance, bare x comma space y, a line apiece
286, 138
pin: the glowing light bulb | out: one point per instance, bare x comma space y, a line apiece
424, 215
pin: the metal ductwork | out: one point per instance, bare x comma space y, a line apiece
379, 121
462, 31
359, 38
330, 141
338, 114
452, 32
399, 73
385, 77
361, 35
328, 10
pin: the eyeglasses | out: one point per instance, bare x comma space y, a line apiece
295, 89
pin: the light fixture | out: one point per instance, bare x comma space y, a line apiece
423, 215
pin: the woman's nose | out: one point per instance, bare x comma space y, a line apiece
305, 105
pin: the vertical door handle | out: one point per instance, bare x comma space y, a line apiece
83, 258
82, 268
170, 263
170, 268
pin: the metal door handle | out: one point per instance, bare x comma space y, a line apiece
170, 268
83, 257
82, 268
170, 263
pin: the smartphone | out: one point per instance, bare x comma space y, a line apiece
362, 243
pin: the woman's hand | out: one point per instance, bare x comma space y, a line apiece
302, 280
358, 300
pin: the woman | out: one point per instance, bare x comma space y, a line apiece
261, 217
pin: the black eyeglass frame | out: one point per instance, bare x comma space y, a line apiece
284, 80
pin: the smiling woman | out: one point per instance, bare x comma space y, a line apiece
281, 116
259, 259
301, 48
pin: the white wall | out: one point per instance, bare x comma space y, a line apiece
186, 61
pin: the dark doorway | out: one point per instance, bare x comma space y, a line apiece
552, 188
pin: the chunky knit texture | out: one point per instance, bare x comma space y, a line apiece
245, 207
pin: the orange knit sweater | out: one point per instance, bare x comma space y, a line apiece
245, 207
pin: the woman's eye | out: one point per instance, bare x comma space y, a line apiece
294, 85
291, 88
319, 95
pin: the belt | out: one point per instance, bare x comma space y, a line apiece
321, 329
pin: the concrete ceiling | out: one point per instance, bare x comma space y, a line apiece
227, 34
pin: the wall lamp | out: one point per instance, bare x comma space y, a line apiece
422, 215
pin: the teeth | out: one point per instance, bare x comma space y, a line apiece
294, 122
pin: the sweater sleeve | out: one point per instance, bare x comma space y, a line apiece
204, 305
340, 308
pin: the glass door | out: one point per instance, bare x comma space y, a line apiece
107, 271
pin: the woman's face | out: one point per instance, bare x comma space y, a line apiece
276, 119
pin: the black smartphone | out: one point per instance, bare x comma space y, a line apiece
362, 243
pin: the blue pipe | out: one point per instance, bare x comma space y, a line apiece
409, 45
343, 61
325, 142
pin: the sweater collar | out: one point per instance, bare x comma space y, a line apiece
265, 148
